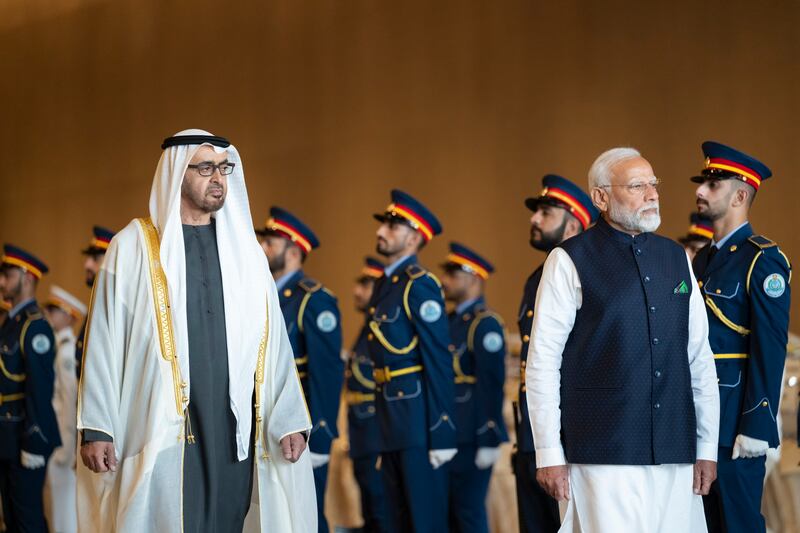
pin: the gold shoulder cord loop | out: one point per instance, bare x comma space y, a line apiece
163, 314
360, 377
302, 310
262, 351
741, 330
386, 344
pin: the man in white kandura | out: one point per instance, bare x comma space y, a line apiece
184, 332
622, 390
64, 311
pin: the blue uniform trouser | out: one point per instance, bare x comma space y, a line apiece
417, 492
373, 502
320, 479
21, 490
538, 512
734, 502
468, 488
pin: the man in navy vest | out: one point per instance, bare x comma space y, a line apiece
744, 279
28, 425
362, 421
562, 210
620, 379
312, 321
414, 394
479, 349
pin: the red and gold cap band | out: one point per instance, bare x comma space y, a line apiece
99, 243
472, 265
575, 207
372, 272
417, 221
702, 231
22, 263
749, 176
290, 233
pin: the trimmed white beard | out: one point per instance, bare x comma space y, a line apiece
636, 220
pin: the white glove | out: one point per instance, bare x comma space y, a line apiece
318, 459
486, 457
440, 457
32, 461
747, 447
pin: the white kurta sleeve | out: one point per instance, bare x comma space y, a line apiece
557, 301
704, 376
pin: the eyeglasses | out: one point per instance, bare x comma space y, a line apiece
638, 188
207, 169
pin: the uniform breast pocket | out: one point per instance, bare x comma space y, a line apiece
402, 390
363, 411
722, 290
729, 374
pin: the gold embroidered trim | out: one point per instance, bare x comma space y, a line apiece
262, 351
161, 305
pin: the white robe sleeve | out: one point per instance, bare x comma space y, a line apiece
704, 376
557, 301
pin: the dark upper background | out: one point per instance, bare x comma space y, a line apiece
332, 103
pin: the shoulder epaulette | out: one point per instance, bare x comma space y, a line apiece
309, 285
479, 316
484, 313
761, 242
415, 271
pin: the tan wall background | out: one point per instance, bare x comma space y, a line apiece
332, 103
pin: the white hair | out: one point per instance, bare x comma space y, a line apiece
600, 171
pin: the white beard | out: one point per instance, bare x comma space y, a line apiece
636, 220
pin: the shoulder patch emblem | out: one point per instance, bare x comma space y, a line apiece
326, 321
40, 343
492, 341
430, 310
774, 285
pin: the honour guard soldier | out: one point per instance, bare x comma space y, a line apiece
362, 422
28, 427
700, 232
312, 322
479, 348
64, 311
414, 394
562, 210
94, 253
744, 279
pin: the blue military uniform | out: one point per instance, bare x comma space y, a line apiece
478, 348
538, 512
101, 238
408, 344
312, 321
362, 422
27, 420
744, 280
